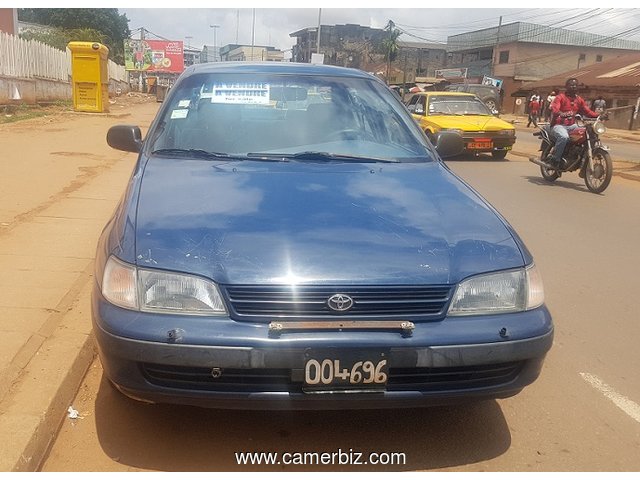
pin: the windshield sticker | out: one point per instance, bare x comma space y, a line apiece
179, 113
246, 93
184, 103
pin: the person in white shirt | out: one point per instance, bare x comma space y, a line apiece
547, 108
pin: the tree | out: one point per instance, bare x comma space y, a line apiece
59, 38
108, 26
390, 45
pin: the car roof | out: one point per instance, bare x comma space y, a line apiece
281, 68
448, 94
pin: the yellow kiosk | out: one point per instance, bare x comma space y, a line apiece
89, 76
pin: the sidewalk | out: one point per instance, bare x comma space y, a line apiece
59, 184
627, 170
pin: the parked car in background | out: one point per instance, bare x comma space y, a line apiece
465, 114
489, 94
273, 252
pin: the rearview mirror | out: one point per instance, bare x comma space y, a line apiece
449, 144
127, 138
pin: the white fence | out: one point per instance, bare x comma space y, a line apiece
29, 59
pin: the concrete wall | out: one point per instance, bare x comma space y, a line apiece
32, 91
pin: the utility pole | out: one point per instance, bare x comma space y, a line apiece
253, 33
404, 76
141, 79
318, 39
390, 26
215, 42
237, 24
496, 54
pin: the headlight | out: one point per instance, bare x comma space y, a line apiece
509, 132
502, 292
159, 291
599, 128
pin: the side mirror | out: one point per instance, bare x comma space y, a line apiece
495, 112
127, 138
449, 144
412, 108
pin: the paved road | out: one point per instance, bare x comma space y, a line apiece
621, 150
582, 414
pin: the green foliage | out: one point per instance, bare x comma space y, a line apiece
84, 24
59, 38
389, 42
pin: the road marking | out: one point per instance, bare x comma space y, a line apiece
628, 406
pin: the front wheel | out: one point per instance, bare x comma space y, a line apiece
598, 178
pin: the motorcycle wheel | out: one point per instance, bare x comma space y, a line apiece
598, 179
549, 174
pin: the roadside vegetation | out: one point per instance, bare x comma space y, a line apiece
16, 113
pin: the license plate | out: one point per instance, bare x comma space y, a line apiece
480, 145
345, 370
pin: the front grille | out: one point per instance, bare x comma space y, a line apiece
452, 378
231, 380
282, 379
311, 301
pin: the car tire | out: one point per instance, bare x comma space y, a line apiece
491, 103
499, 154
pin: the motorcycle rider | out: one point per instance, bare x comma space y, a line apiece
563, 110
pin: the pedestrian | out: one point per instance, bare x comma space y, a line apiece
599, 105
547, 110
534, 109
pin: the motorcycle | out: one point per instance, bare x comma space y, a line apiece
584, 152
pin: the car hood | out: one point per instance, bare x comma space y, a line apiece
248, 222
470, 123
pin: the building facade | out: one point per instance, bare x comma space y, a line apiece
347, 45
249, 53
191, 56
356, 46
522, 52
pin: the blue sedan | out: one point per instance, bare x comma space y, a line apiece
290, 239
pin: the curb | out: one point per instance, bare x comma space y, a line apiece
35, 451
36, 403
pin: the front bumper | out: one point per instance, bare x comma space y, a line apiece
264, 373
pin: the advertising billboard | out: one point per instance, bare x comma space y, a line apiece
153, 55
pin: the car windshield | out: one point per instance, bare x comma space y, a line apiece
266, 116
457, 105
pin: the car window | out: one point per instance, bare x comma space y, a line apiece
241, 114
457, 105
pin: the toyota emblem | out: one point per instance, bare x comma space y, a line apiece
340, 302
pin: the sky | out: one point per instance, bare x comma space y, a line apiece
273, 25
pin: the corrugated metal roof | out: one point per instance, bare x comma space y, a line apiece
422, 45
623, 71
533, 33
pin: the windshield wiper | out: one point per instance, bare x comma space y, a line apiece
313, 155
196, 152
